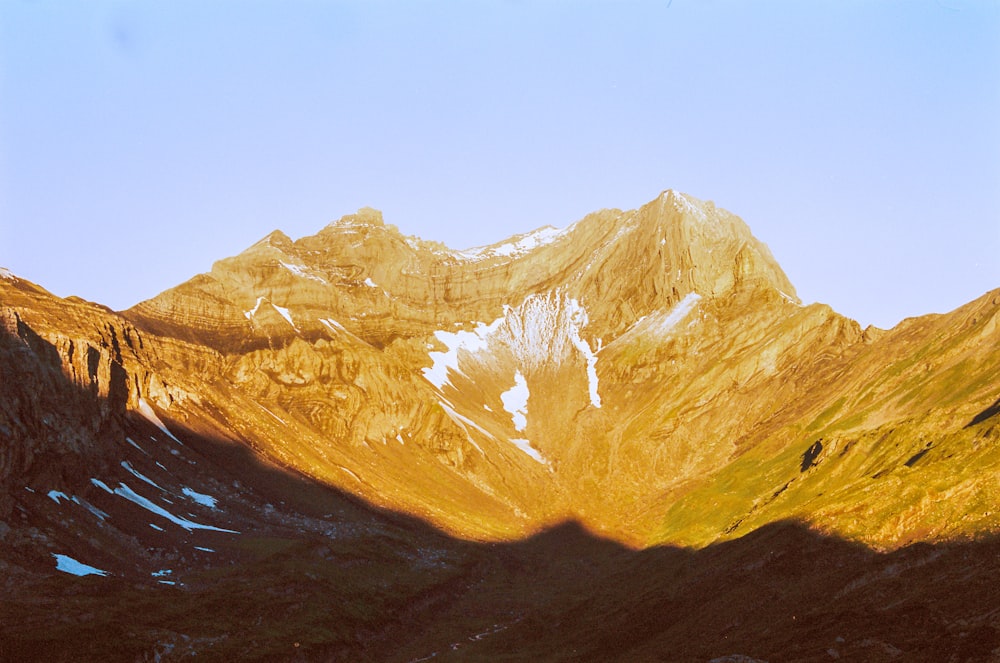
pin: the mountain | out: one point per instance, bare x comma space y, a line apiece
451, 442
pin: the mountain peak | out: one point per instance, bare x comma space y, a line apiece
365, 216
275, 238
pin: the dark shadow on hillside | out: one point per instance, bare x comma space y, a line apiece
991, 411
317, 574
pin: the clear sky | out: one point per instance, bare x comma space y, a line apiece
140, 141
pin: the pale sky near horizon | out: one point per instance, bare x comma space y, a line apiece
141, 141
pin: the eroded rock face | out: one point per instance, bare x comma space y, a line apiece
649, 373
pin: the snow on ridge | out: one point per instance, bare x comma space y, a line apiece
682, 203
6, 274
149, 415
300, 270
515, 401
522, 245
67, 564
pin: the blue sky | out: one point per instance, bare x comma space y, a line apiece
141, 141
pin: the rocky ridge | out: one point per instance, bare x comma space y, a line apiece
535, 370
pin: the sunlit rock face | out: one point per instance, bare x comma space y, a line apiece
650, 373
627, 371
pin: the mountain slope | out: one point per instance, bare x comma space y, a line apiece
601, 372
408, 424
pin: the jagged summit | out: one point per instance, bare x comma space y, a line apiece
365, 216
620, 265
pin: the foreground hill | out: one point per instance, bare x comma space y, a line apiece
419, 451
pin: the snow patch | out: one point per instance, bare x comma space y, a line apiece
156, 527
135, 444
283, 312
370, 283
124, 491
356, 477
200, 498
683, 204
579, 317
67, 564
131, 470
252, 312
460, 341
272, 414
790, 299
97, 513
6, 274
544, 330
147, 412
300, 270
518, 247
515, 401
56, 495
463, 421
203, 549
663, 324
334, 326
103, 486
526, 447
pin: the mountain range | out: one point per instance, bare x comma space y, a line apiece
624, 440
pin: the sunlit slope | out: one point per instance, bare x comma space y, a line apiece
648, 372
335, 409
901, 446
